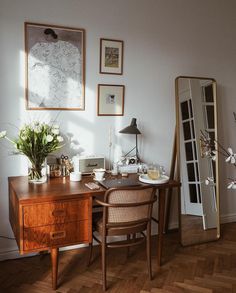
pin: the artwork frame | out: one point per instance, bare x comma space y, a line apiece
111, 56
54, 67
110, 101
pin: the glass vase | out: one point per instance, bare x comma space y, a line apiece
37, 172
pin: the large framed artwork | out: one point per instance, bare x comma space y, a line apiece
111, 56
110, 100
55, 67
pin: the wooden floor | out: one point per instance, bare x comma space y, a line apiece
202, 268
193, 232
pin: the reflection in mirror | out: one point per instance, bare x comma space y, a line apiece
196, 114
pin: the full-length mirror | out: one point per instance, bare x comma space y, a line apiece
197, 169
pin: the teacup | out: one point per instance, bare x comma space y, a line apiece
75, 176
99, 174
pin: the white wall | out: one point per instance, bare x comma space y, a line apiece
162, 39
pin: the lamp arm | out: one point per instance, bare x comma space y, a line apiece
135, 148
137, 153
130, 151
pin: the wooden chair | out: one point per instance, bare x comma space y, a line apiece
126, 211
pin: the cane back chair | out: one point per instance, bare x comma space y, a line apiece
126, 211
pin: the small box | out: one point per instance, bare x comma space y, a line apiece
131, 168
87, 164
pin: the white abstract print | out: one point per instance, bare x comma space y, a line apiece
54, 77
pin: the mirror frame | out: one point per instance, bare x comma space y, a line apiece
178, 162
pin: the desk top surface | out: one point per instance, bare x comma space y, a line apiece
62, 188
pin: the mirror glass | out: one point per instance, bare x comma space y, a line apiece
196, 109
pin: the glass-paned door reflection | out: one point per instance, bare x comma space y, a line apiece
209, 200
209, 119
193, 192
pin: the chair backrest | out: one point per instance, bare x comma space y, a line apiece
133, 204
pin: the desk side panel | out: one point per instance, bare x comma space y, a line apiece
14, 215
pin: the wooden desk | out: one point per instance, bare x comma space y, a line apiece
59, 213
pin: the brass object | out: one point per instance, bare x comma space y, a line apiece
55, 170
63, 167
196, 112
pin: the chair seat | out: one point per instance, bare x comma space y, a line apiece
116, 229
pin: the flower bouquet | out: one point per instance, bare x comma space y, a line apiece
36, 141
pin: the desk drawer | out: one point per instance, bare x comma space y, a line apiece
57, 235
56, 212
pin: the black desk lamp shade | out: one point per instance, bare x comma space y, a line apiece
132, 129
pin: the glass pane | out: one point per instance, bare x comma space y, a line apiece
209, 93
187, 132
191, 108
191, 173
214, 169
197, 173
195, 150
212, 135
199, 194
189, 151
210, 116
193, 131
184, 110
192, 193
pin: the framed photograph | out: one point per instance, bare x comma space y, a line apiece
111, 100
111, 56
55, 67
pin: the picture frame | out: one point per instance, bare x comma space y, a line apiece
111, 56
55, 67
110, 100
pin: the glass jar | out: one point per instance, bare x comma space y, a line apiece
154, 171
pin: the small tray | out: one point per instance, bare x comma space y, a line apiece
145, 179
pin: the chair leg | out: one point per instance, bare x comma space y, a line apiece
128, 248
104, 268
90, 253
148, 247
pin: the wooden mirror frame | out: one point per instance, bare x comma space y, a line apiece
178, 162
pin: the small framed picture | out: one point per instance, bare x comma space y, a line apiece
110, 100
111, 56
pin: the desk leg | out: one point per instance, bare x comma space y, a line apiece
161, 218
54, 261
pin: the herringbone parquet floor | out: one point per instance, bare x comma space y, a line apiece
202, 268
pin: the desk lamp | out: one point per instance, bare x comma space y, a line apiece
132, 129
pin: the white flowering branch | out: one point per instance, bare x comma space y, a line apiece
210, 147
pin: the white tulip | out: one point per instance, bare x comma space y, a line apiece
60, 138
36, 123
55, 131
49, 138
37, 129
3, 134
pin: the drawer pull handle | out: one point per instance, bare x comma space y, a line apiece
58, 213
57, 235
